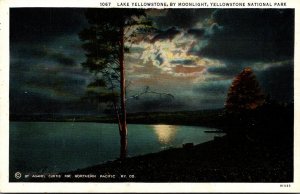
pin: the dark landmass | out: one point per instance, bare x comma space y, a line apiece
221, 160
201, 117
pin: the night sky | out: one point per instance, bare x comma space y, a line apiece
194, 56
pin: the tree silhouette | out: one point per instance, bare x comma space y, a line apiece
104, 42
244, 92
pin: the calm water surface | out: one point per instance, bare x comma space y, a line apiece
64, 146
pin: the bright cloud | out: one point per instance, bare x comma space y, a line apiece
172, 56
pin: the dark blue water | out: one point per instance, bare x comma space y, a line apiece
64, 146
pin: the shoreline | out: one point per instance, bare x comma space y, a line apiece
219, 160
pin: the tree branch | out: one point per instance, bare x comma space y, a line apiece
148, 91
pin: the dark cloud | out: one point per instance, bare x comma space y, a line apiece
228, 70
31, 103
168, 34
19, 65
64, 83
278, 82
196, 32
159, 59
182, 18
22, 103
42, 53
44, 24
34, 91
251, 35
28, 52
155, 104
212, 93
62, 59
183, 62
54, 84
45, 55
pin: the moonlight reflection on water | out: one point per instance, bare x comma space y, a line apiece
165, 133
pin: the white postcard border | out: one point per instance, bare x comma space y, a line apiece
6, 186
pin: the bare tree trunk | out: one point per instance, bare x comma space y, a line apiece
116, 107
123, 146
117, 116
123, 134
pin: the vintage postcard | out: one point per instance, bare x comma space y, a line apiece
140, 96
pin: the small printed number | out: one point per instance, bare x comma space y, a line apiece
285, 185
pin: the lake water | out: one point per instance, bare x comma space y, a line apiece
63, 146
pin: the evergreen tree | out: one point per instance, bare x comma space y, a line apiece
104, 42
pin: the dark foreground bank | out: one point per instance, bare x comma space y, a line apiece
227, 159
